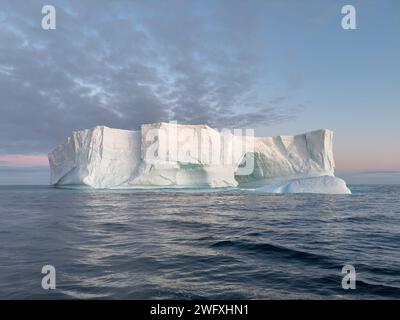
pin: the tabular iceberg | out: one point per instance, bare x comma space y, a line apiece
195, 156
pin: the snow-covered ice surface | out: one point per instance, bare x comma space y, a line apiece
167, 155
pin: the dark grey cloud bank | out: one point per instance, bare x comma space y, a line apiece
123, 63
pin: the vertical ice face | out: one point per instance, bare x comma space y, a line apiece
171, 155
100, 157
308, 154
184, 156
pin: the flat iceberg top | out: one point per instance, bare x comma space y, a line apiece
192, 156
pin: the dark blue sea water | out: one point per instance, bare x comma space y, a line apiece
199, 245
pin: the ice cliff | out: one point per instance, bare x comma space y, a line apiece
195, 156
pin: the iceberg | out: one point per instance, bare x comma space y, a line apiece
170, 155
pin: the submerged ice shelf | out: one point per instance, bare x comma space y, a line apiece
195, 156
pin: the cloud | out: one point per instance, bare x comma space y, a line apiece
277, 100
125, 63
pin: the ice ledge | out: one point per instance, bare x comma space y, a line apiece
322, 184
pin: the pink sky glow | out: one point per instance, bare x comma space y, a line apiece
18, 160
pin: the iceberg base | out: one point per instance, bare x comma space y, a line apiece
322, 184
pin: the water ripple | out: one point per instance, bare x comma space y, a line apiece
229, 244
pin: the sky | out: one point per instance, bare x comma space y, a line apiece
280, 67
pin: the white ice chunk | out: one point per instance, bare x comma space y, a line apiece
322, 184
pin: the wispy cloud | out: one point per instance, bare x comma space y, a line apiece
125, 63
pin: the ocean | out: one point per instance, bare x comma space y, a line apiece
199, 244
